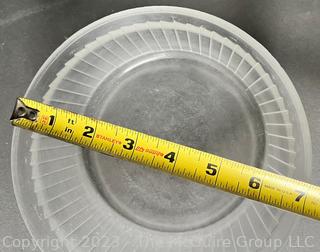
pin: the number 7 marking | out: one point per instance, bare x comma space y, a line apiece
301, 194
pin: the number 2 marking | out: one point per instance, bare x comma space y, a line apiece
89, 131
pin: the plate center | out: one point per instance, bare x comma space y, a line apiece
183, 98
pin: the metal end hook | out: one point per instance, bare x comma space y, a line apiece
22, 111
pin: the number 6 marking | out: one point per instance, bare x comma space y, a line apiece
254, 183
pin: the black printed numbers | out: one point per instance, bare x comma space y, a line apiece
211, 169
301, 194
89, 131
170, 156
51, 120
129, 145
254, 183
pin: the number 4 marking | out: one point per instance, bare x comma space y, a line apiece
170, 156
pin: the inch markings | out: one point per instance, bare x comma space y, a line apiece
202, 167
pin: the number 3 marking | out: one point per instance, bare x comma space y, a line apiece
129, 145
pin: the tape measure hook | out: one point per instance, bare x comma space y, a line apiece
22, 111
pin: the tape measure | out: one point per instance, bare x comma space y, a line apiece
205, 168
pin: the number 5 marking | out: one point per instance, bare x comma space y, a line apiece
211, 169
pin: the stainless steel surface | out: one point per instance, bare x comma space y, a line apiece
31, 30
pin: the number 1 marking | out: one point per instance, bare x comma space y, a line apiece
51, 120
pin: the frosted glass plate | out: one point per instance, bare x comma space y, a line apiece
178, 74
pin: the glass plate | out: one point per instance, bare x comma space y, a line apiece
178, 74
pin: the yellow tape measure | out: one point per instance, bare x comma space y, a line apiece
205, 168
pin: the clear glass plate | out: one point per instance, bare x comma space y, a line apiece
175, 73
